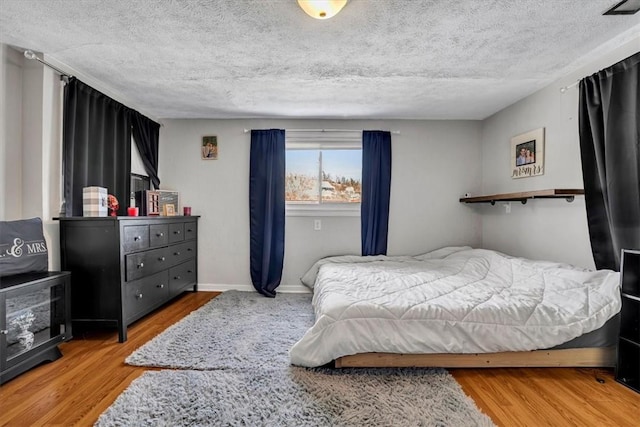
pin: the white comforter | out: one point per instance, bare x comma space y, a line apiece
453, 300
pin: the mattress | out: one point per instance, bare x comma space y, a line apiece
453, 300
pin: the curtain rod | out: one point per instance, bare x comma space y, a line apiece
29, 54
563, 89
394, 132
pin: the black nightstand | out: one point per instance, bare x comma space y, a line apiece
628, 367
34, 318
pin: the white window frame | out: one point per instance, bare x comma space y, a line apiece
322, 140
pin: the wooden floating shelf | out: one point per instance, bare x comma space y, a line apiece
555, 193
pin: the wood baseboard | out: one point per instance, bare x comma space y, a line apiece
572, 357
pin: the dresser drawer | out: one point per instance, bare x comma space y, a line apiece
181, 276
142, 295
190, 230
176, 232
142, 264
182, 252
158, 235
135, 237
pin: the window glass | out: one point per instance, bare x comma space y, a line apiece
302, 176
341, 176
324, 176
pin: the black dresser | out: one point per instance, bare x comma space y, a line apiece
125, 267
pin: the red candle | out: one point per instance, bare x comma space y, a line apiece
132, 211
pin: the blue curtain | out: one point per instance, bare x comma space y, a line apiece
266, 209
376, 191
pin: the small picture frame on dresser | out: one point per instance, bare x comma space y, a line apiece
169, 210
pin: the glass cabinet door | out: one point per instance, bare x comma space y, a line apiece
33, 316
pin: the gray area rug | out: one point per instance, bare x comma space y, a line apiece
236, 330
294, 397
235, 371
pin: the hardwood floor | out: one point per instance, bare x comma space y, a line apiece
78, 387
551, 396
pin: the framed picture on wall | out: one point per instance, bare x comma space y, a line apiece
527, 154
209, 148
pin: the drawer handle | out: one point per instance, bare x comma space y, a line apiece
177, 278
4, 332
161, 285
161, 258
189, 230
136, 238
141, 265
189, 249
139, 296
176, 253
189, 271
159, 234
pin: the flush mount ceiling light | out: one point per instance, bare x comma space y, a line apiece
625, 7
322, 9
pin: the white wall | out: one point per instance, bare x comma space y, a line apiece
136, 161
541, 229
30, 160
51, 162
32, 148
434, 162
11, 135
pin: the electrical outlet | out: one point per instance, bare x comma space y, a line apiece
317, 224
507, 208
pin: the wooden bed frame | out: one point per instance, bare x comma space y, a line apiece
571, 357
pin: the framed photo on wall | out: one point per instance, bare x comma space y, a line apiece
209, 148
527, 154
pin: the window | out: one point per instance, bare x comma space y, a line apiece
323, 172
140, 182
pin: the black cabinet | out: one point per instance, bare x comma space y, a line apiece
125, 267
628, 367
34, 319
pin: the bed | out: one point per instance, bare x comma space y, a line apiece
458, 307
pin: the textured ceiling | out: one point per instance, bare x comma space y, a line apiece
412, 59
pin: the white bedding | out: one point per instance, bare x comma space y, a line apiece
453, 300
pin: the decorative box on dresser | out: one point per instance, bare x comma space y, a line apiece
125, 267
628, 366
